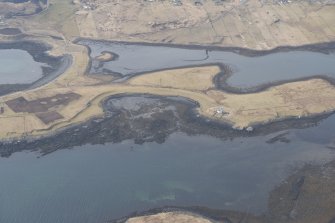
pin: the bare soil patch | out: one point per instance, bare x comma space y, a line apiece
42, 104
48, 117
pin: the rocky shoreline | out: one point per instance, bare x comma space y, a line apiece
176, 114
305, 196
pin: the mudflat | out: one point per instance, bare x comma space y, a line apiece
143, 58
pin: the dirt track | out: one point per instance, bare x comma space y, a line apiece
251, 24
64, 20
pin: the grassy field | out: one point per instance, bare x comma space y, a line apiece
196, 79
169, 217
297, 99
60, 16
252, 24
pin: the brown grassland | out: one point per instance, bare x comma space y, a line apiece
252, 24
230, 24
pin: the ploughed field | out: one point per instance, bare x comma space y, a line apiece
214, 78
149, 153
98, 131
174, 130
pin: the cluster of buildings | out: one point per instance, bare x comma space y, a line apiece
91, 5
86, 4
196, 2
